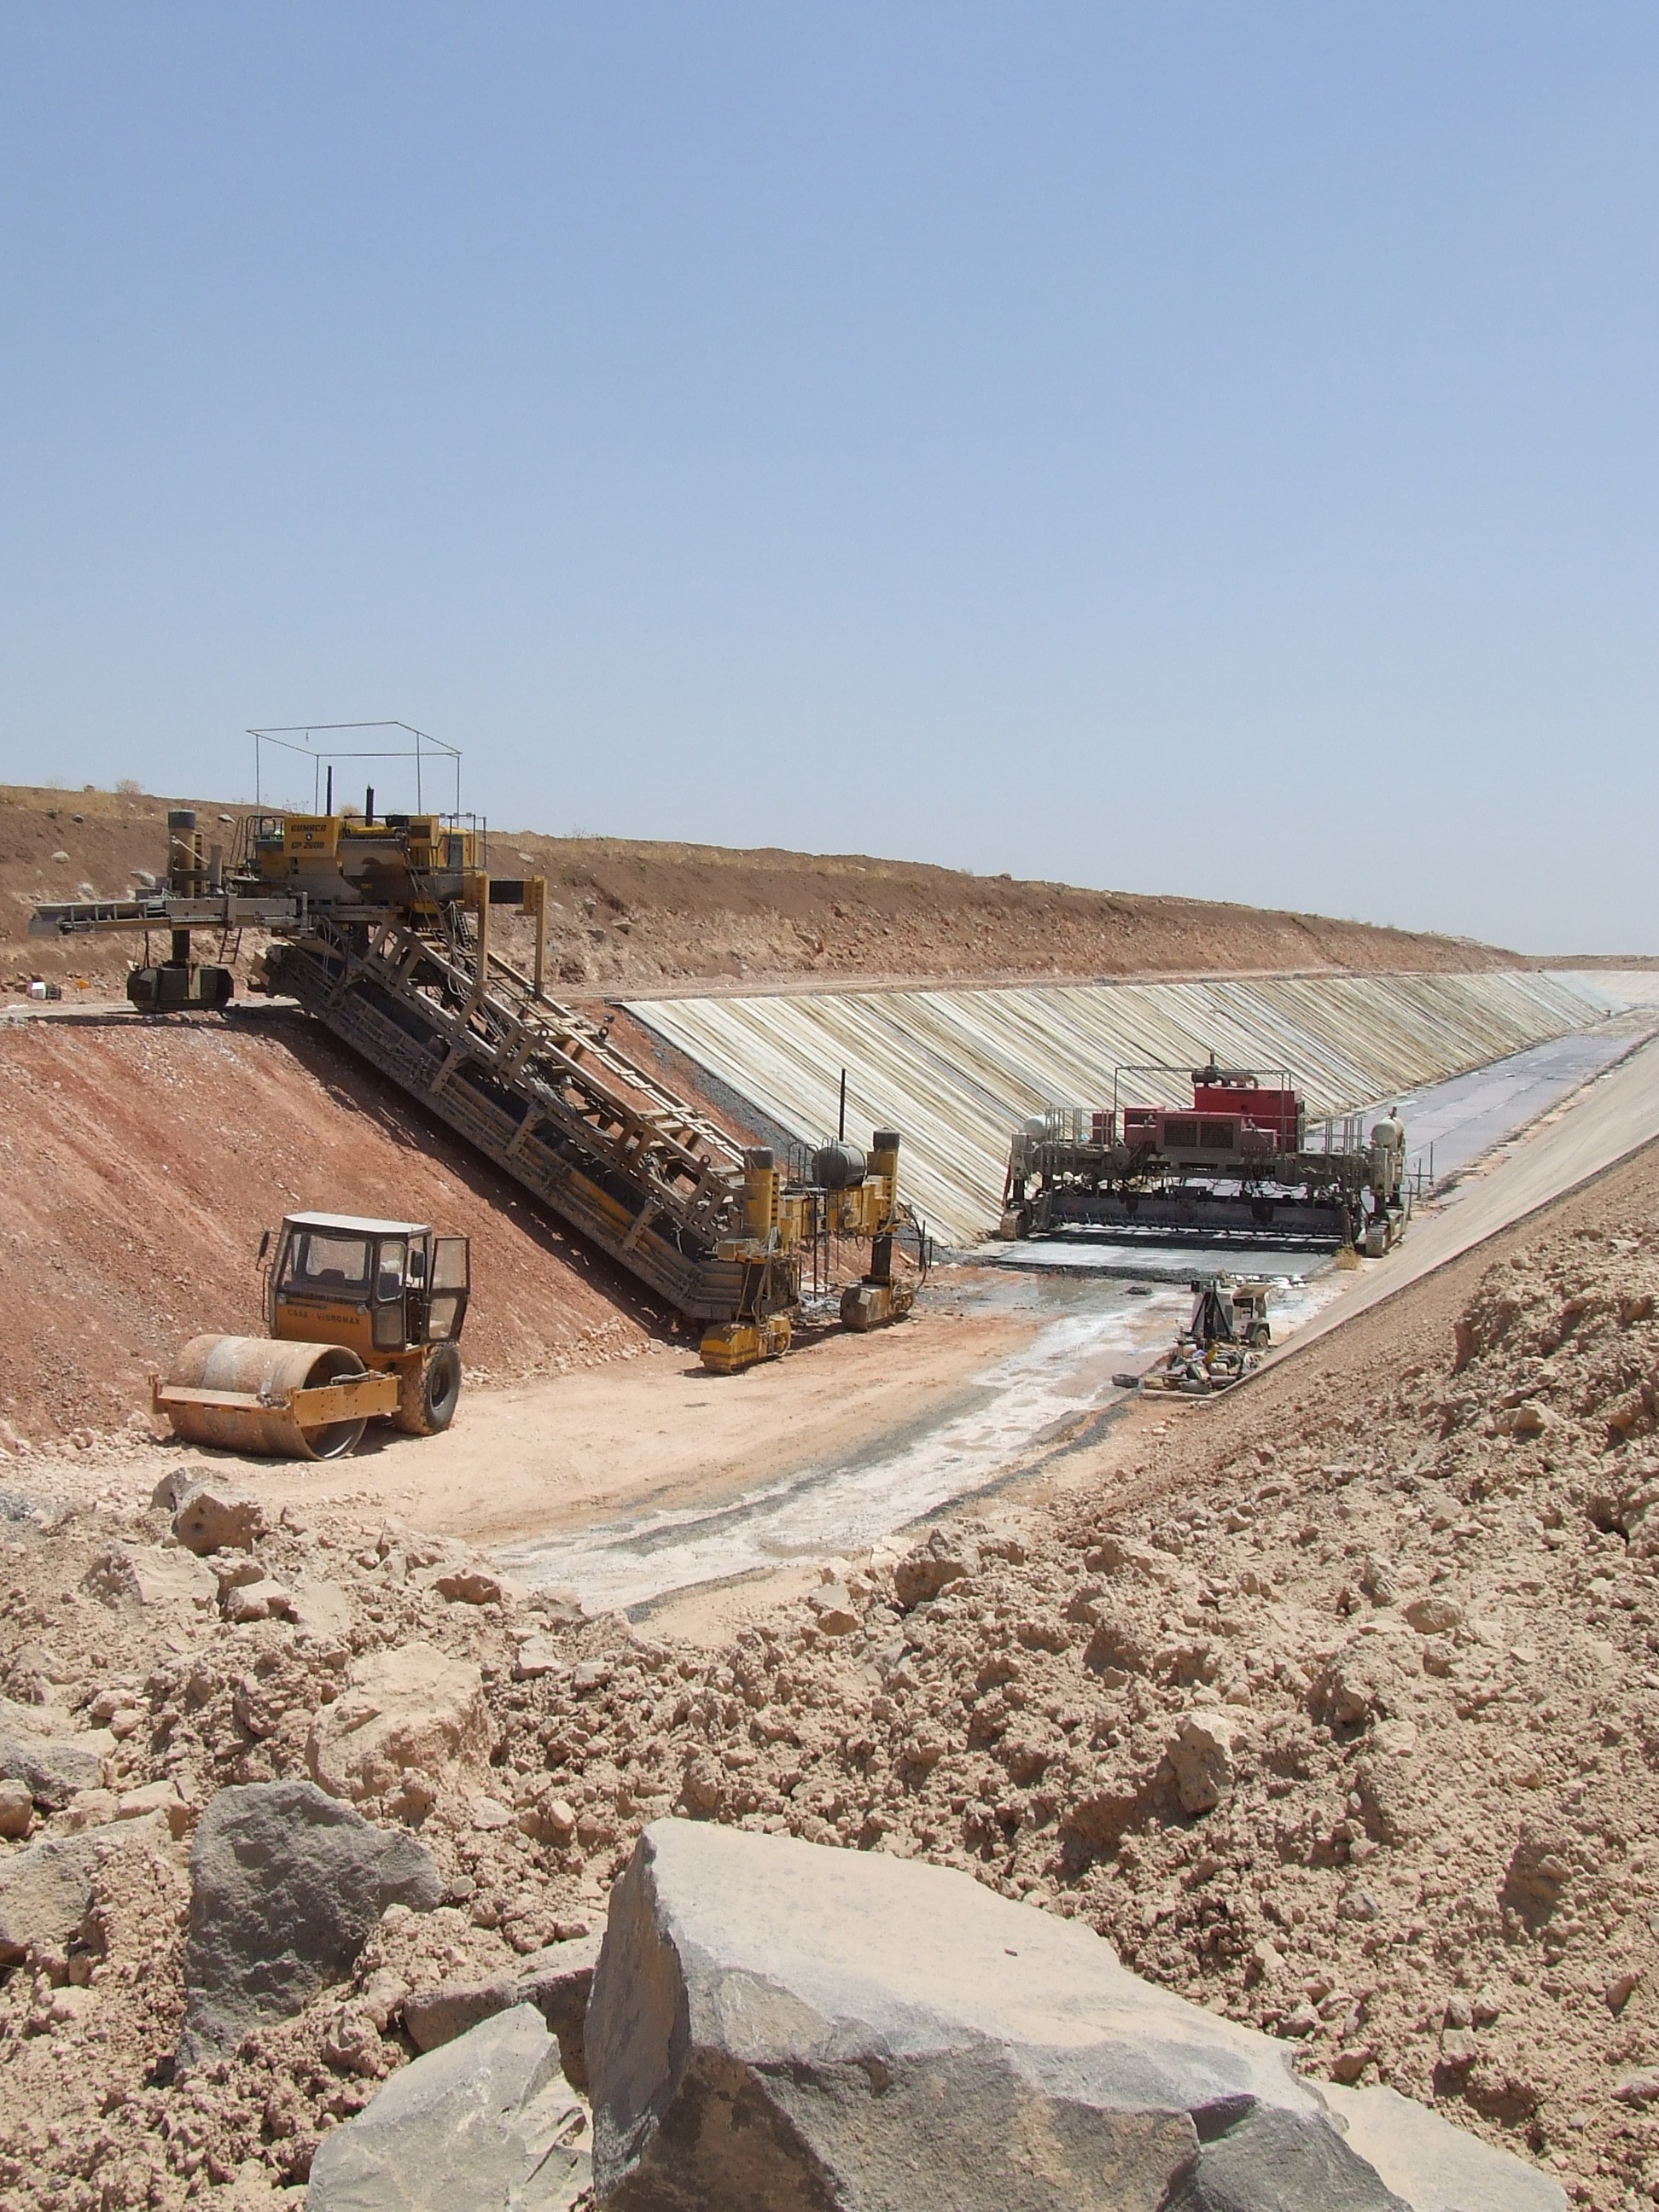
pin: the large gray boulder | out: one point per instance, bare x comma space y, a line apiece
776, 2026
486, 2123
286, 1883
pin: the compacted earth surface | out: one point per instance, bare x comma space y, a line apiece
1334, 1706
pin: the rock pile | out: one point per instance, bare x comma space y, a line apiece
1333, 1711
778, 2025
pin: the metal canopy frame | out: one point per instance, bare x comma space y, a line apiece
425, 748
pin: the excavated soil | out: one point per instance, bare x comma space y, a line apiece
1331, 1704
628, 917
141, 1162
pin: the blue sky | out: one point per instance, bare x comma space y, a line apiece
1194, 448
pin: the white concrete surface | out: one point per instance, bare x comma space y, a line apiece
1612, 1115
956, 1071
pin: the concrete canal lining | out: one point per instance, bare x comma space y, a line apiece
956, 1070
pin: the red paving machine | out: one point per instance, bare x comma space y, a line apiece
1234, 1166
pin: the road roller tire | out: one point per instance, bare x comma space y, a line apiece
428, 1394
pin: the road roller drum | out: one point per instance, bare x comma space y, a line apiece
285, 1400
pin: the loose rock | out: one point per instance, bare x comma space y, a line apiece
44, 1892
1434, 2166
555, 1981
1200, 1753
469, 1586
211, 1517
137, 1577
54, 1768
16, 1809
286, 1884
412, 1707
930, 1568
487, 2120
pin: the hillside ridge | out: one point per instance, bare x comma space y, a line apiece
632, 917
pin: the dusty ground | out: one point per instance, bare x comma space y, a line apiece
1331, 1704
629, 917
536, 1461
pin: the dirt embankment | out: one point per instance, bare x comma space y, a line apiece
1331, 1705
141, 1163
1634, 961
632, 917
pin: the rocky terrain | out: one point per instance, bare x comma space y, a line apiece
1331, 1705
631, 917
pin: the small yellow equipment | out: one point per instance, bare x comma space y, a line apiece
365, 1318
852, 1193
381, 927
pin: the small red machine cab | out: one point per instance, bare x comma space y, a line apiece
1278, 1114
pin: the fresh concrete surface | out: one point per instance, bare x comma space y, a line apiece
1082, 1254
1615, 1114
1449, 1125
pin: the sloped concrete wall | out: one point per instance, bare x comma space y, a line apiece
956, 1071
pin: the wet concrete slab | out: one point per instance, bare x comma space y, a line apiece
1090, 1330
1079, 1253
1000, 1425
1449, 1125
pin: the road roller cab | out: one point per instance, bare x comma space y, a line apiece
365, 1316
387, 1289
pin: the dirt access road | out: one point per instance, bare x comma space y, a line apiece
663, 1436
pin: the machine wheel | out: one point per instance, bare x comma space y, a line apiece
428, 1395
1259, 1336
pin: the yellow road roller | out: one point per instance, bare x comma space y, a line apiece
365, 1319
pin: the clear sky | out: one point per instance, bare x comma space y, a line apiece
1197, 447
